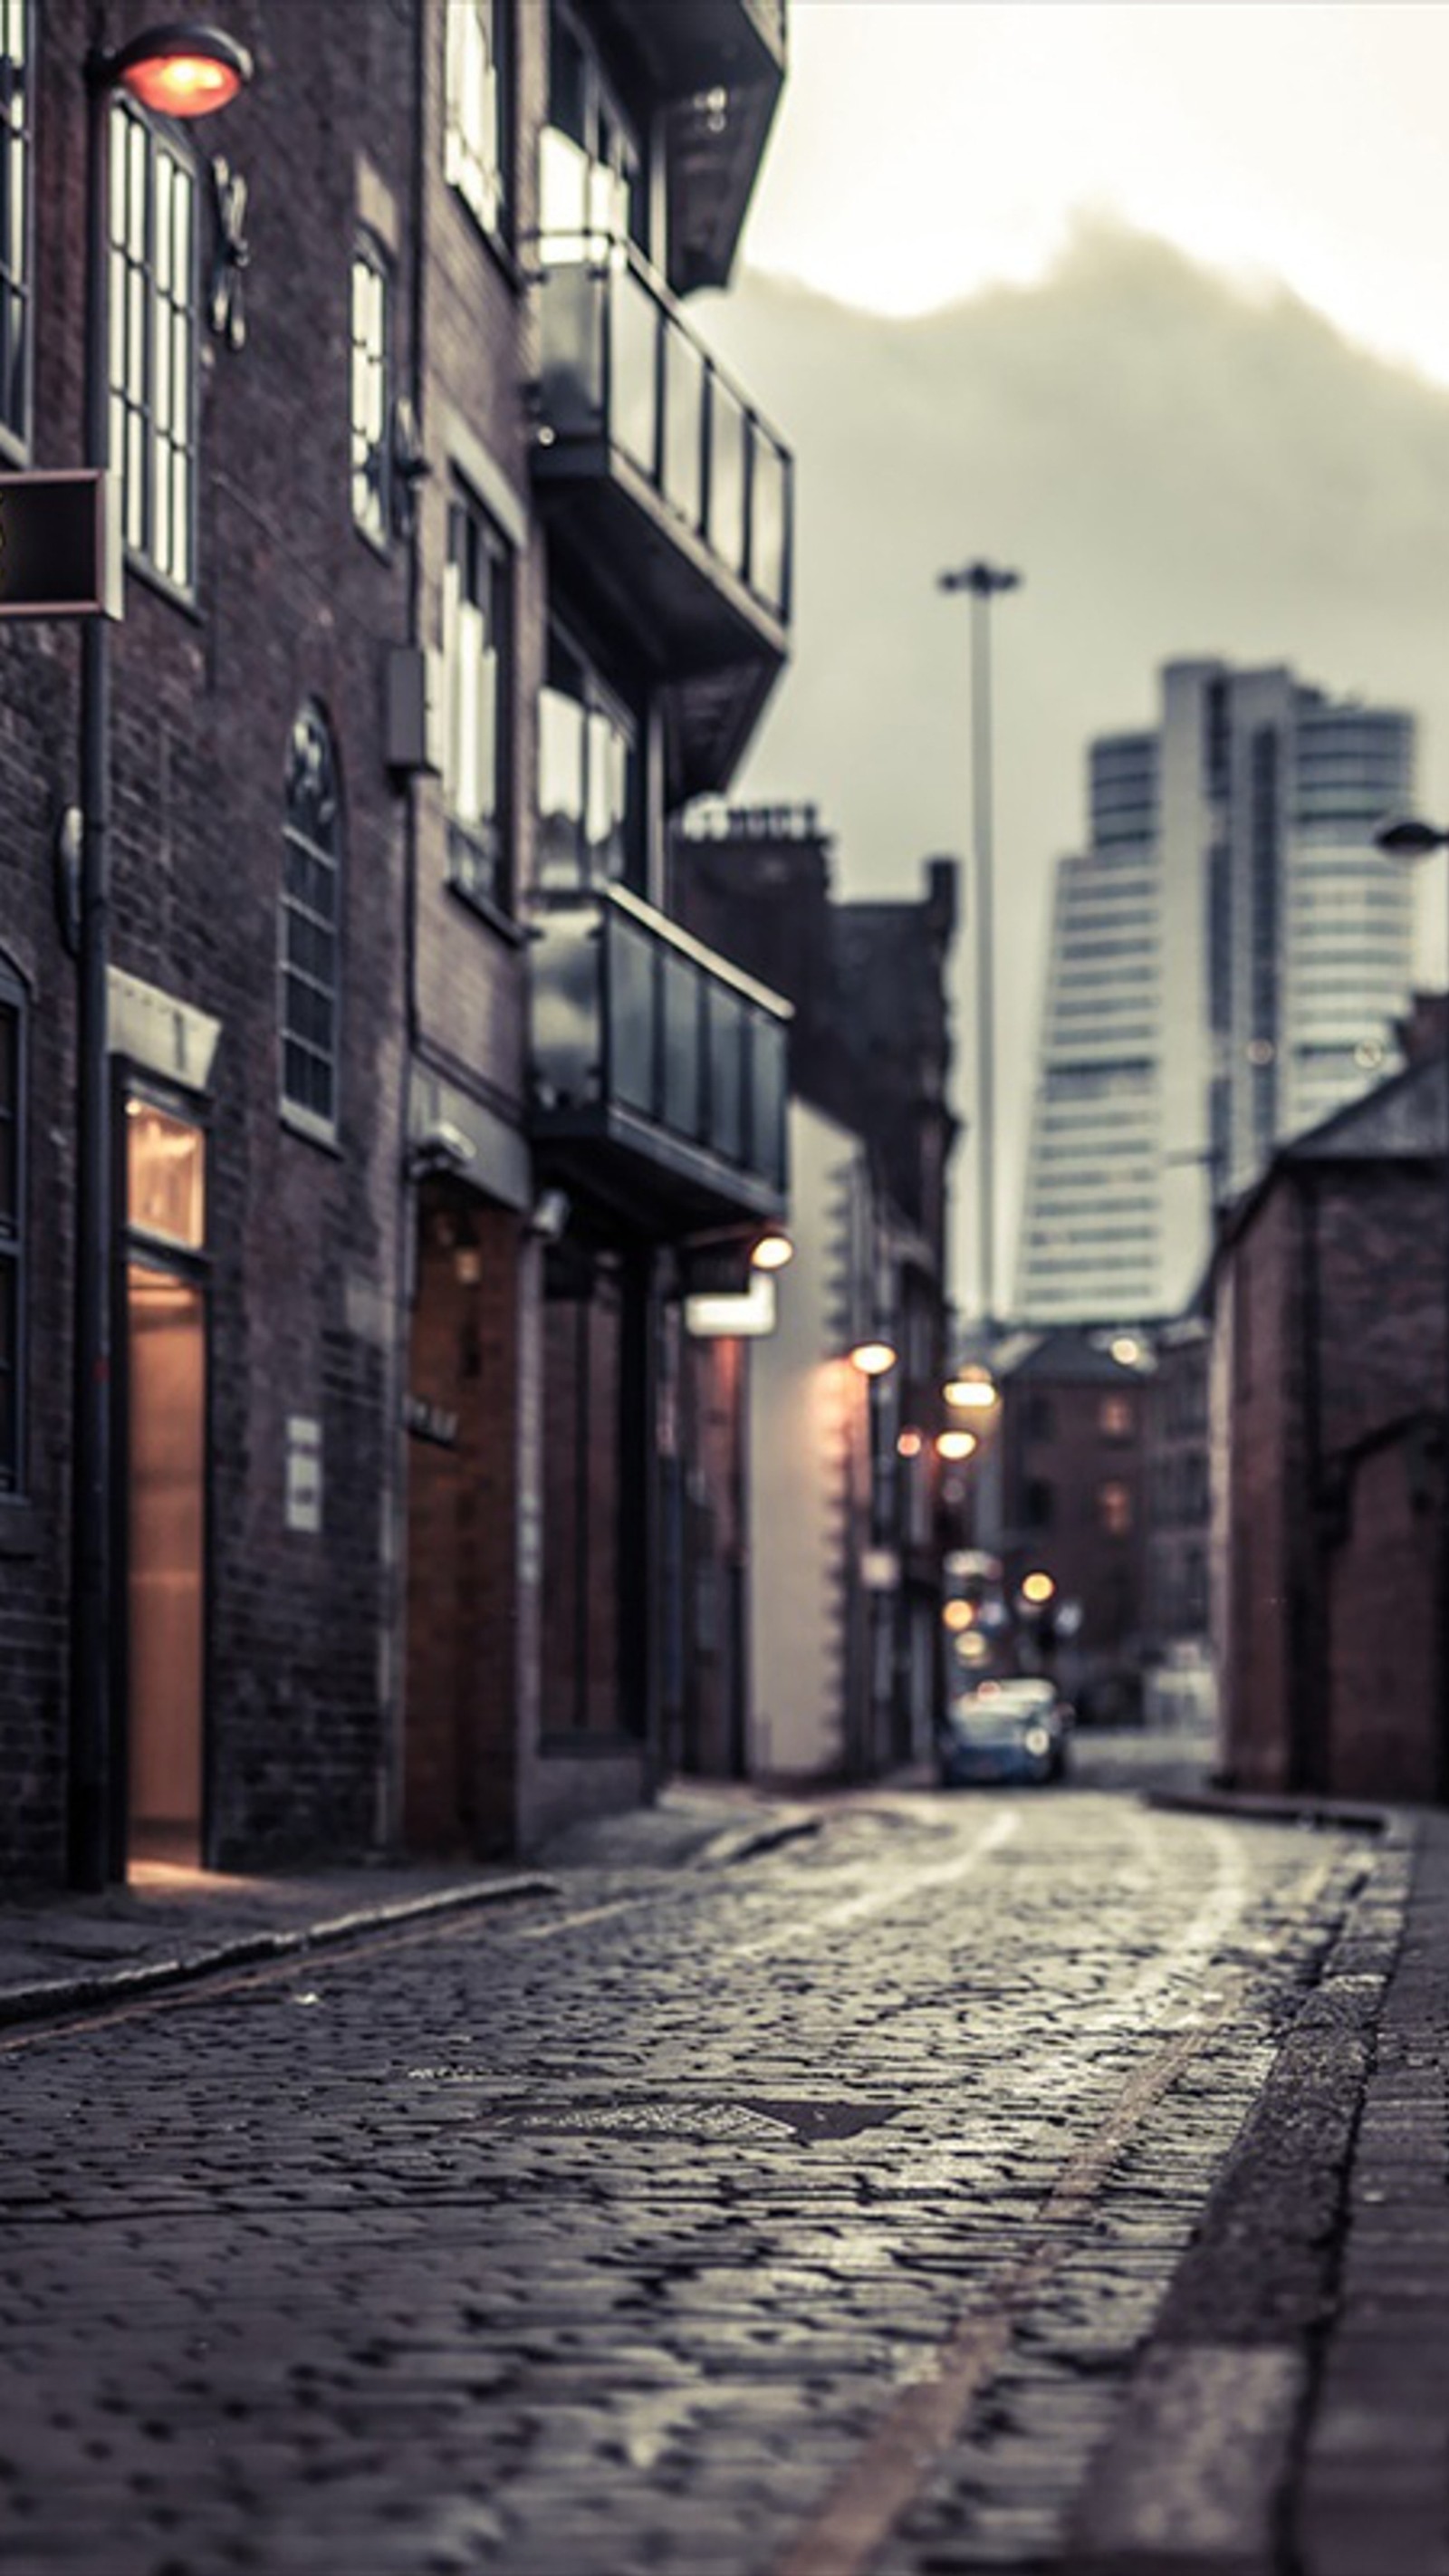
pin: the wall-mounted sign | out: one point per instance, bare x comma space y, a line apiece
304, 1473
60, 546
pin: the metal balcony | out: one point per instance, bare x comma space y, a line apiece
668, 496
719, 66
657, 1071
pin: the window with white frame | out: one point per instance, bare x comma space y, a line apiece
476, 108
371, 388
12, 1231
310, 925
475, 642
153, 342
592, 174
16, 114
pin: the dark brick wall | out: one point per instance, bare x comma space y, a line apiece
291, 604
1330, 1331
1383, 1718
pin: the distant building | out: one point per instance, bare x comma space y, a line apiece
845, 1486
1178, 1506
1228, 958
1070, 1449
1328, 1456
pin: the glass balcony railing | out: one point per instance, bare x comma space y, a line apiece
623, 372
641, 1035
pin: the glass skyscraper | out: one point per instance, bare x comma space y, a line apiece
1227, 962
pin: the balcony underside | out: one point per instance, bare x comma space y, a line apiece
713, 646
690, 51
653, 1182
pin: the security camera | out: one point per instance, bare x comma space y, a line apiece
441, 1148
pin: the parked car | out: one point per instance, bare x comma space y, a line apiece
1016, 1729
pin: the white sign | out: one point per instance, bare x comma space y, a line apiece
304, 1473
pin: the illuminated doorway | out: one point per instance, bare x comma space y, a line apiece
165, 1485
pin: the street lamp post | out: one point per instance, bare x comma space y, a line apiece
984, 582
182, 71
1407, 840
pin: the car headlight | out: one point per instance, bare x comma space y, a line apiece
1037, 1741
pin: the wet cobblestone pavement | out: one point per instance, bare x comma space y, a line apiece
785, 2219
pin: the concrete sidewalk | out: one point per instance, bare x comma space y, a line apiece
67, 1953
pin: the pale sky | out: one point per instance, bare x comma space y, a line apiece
926, 148
929, 150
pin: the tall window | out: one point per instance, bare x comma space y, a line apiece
310, 924
477, 118
12, 1231
591, 166
15, 274
153, 332
371, 387
588, 786
475, 623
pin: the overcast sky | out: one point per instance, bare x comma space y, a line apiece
927, 148
1182, 459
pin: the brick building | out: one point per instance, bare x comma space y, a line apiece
1070, 1493
453, 563
1327, 1419
839, 1668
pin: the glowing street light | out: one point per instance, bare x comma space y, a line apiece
181, 71
873, 1359
953, 1446
974, 1391
773, 1251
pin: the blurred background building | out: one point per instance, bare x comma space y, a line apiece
1226, 963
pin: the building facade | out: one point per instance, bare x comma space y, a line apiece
1327, 1432
845, 1484
1070, 1487
1227, 961
453, 564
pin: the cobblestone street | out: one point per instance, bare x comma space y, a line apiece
802, 2215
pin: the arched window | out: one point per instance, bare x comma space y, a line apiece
12, 1231
311, 925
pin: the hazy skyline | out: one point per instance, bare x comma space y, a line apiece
1182, 458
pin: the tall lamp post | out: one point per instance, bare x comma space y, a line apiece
179, 71
1407, 840
984, 582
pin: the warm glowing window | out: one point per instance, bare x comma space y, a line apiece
1114, 1508
1114, 1417
165, 1176
476, 132
16, 107
12, 1232
475, 619
310, 925
371, 367
153, 332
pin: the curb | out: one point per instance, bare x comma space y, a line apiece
1257, 1807
735, 1843
1200, 2472
60, 1995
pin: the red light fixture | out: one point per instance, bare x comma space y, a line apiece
183, 71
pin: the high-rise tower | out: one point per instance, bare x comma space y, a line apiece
1227, 960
